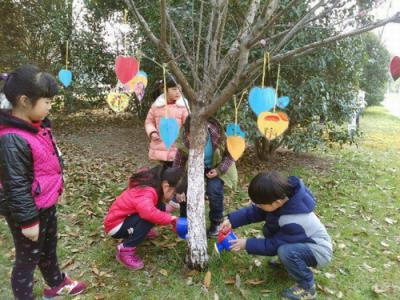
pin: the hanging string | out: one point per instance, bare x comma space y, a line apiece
266, 62
164, 66
277, 86
66, 57
237, 106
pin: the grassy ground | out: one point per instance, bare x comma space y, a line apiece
358, 191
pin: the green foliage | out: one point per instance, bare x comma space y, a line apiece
374, 68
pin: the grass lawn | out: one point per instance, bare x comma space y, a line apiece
358, 192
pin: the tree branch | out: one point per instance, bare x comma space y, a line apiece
297, 27
163, 29
208, 39
196, 65
183, 48
187, 89
316, 45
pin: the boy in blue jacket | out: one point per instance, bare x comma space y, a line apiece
291, 230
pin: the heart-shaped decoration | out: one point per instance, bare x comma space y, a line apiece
126, 68
130, 86
395, 67
118, 102
233, 129
65, 76
283, 101
261, 99
139, 90
236, 146
272, 125
169, 131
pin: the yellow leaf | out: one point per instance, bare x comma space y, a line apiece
254, 281
207, 279
163, 272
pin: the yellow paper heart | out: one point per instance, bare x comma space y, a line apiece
118, 102
236, 146
272, 125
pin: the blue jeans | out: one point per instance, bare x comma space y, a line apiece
297, 258
135, 229
215, 194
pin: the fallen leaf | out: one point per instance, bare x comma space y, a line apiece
163, 272
207, 280
254, 281
390, 221
341, 246
368, 268
189, 281
329, 275
95, 271
378, 290
237, 281
257, 262
386, 245
230, 281
216, 297
339, 295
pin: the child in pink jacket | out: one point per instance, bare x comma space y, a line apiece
142, 205
175, 106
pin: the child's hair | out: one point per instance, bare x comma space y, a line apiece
159, 86
268, 187
153, 177
28, 80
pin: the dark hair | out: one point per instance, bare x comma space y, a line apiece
28, 80
159, 86
153, 177
268, 187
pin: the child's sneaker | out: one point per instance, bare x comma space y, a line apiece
152, 234
296, 292
127, 257
68, 287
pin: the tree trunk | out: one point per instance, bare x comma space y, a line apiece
197, 256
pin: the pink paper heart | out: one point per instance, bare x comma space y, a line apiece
126, 68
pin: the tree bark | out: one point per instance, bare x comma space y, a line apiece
197, 257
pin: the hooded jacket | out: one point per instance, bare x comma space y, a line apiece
294, 222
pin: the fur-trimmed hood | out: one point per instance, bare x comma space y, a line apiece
160, 102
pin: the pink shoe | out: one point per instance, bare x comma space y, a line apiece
152, 234
68, 287
127, 257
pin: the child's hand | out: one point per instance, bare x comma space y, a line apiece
155, 137
173, 223
239, 244
225, 227
32, 232
212, 173
180, 198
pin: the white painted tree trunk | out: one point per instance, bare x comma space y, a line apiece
197, 256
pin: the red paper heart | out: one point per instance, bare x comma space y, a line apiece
395, 67
126, 68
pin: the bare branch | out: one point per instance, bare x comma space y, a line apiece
187, 89
222, 5
208, 39
316, 45
163, 29
297, 27
196, 65
183, 48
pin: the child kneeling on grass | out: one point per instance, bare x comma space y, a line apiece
292, 230
142, 205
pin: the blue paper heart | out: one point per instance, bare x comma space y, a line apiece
230, 130
141, 73
65, 77
283, 101
169, 131
261, 99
